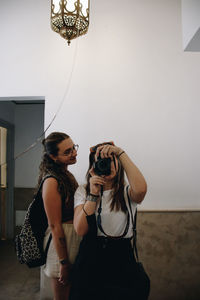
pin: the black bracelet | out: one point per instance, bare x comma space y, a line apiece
85, 211
121, 153
93, 195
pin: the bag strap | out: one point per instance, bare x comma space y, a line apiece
47, 245
134, 222
42, 181
39, 189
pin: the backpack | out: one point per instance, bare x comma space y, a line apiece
29, 243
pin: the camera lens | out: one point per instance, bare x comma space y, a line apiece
102, 166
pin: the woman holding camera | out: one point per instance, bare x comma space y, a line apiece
104, 268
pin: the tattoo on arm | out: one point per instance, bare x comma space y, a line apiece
62, 241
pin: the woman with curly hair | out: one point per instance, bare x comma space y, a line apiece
58, 190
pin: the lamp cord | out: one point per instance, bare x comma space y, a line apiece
56, 114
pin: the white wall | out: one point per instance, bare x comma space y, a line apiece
132, 83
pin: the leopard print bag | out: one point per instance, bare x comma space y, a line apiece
29, 243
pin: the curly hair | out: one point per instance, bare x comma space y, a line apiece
118, 201
67, 183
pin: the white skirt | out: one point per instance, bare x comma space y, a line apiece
52, 266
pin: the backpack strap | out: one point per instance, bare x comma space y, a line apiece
48, 244
39, 190
43, 179
134, 222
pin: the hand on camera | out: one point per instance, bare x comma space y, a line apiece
107, 151
95, 182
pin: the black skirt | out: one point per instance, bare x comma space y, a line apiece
105, 269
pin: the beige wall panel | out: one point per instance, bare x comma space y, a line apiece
169, 247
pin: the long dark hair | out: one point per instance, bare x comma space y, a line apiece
67, 183
118, 201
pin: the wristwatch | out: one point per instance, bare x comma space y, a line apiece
92, 198
64, 262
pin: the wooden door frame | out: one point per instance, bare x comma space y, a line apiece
10, 179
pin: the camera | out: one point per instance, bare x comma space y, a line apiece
102, 166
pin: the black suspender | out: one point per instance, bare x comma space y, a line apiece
134, 222
101, 228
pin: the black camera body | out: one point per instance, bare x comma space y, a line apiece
102, 166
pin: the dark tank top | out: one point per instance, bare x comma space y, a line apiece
67, 209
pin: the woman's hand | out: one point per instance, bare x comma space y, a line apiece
107, 151
64, 274
95, 182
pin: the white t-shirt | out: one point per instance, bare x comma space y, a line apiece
113, 222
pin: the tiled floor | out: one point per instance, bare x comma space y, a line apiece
17, 282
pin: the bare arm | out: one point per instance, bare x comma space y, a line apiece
81, 211
80, 221
138, 186
53, 204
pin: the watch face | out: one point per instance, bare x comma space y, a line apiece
63, 262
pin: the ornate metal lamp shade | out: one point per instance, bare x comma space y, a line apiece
70, 18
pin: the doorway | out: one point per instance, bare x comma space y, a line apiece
21, 123
6, 179
3, 181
